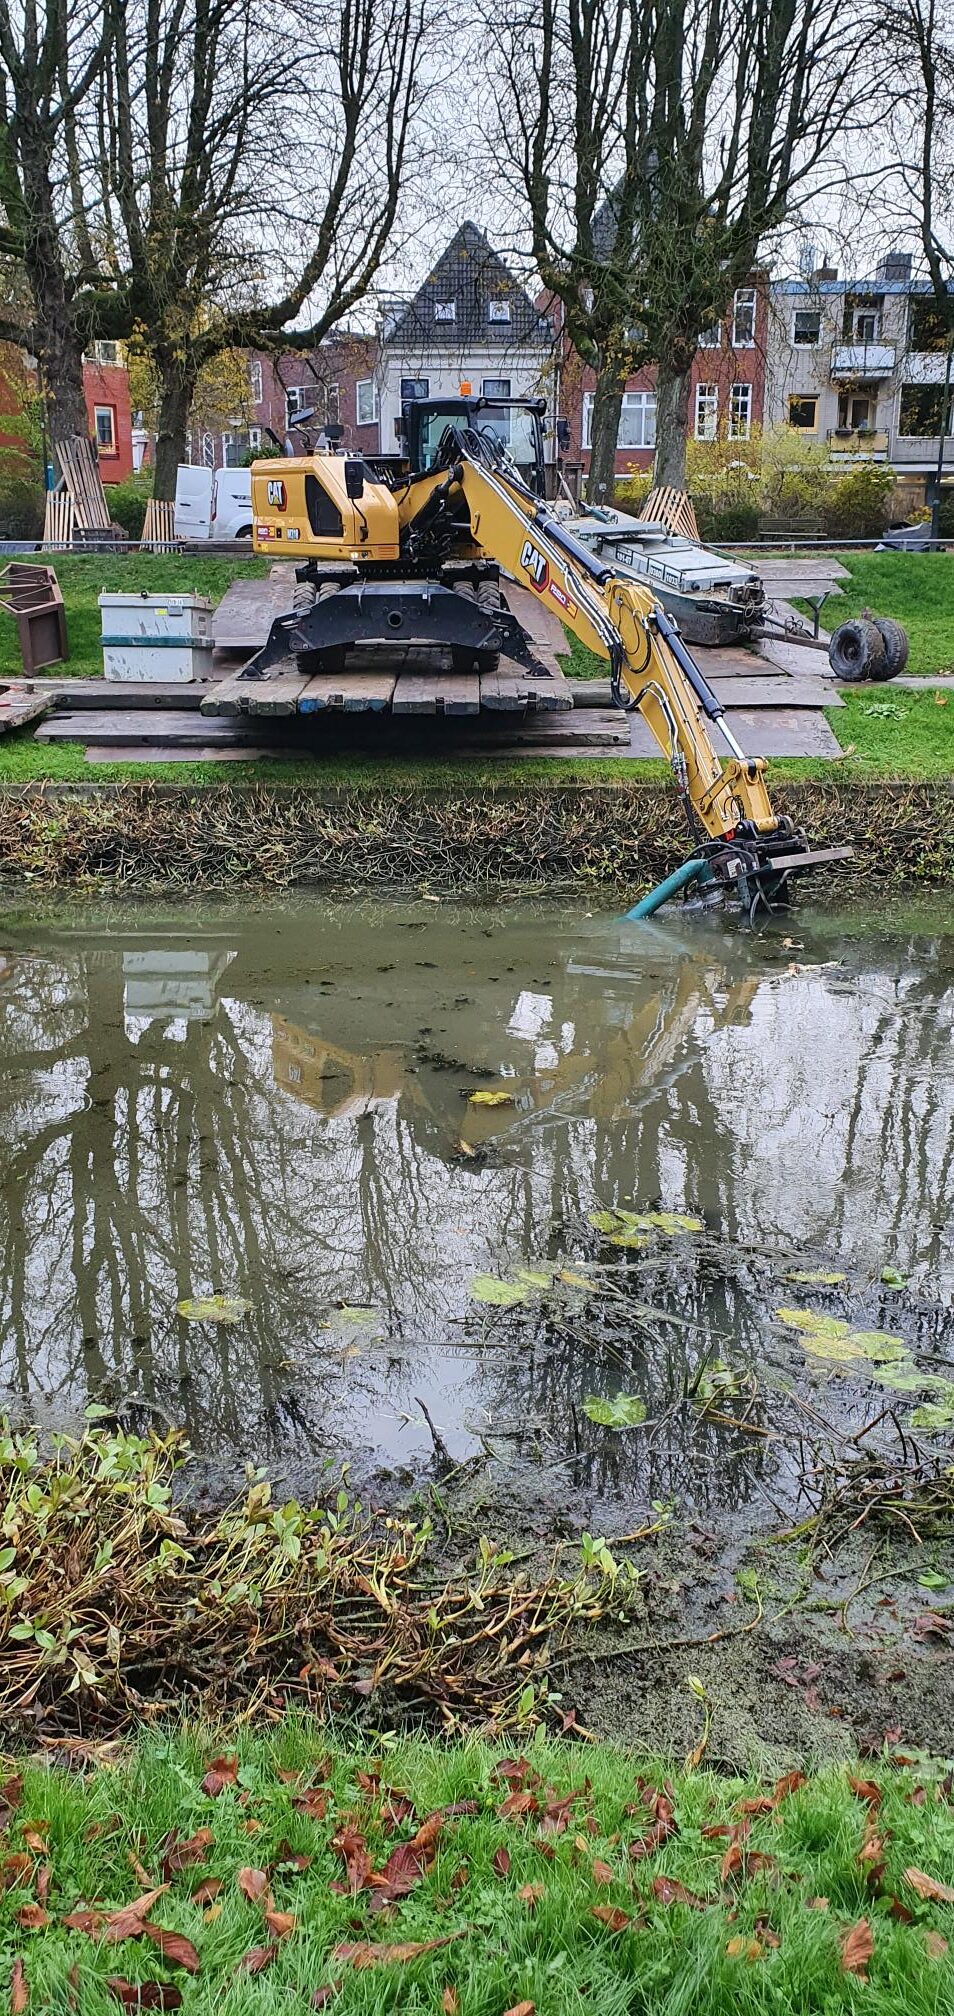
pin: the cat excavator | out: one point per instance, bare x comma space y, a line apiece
395, 555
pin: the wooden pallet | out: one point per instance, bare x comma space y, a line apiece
81, 476
159, 526
672, 508
59, 519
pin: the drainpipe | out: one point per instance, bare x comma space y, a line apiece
945, 423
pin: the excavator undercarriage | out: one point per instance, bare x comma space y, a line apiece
413, 559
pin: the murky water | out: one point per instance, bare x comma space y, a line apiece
271, 1103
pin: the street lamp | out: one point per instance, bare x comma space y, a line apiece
945, 422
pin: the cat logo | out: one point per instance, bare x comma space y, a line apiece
275, 493
535, 565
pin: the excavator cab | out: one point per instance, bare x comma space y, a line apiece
516, 425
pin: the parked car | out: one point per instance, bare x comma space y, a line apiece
213, 503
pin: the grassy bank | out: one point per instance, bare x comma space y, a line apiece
281, 1873
917, 589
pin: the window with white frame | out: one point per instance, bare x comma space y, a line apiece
707, 412
711, 338
806, 328
743, 318
496, 423
230, 452
637, 420
106, 352
366, 402
104, 419
254, 440
208, 451
297, 400
445, 311
255, 381
498, 311
740, 412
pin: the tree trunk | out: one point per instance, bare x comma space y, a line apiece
604, 433
177, 379
56, 339
672, 426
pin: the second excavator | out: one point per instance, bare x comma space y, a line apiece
395, 555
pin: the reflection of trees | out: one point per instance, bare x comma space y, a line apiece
148, 1163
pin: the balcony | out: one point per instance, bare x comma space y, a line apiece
862, 362
857, 444
919, 451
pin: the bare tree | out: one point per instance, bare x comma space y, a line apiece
50, 59
651, 145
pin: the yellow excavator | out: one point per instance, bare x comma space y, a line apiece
393, 554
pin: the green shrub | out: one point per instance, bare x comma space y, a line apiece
21, 504
946, 516
632, 491
127, 502
734, 521
858, 505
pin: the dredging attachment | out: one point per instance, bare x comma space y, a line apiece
750, 875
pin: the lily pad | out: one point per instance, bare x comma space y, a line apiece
816, 1277
932, 1579
625, 1410
814, 1321
903, 1377
621, 1226
352, 1317
882, 1349
838, 1350
935, 1414
572, 1280
501, 1294
490, 1099
535, 1277
629, 1238
830, 1337
892, 1278
671, 1222
214, 1309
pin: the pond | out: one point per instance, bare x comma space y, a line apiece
272, 1103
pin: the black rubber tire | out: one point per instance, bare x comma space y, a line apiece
856, 651
894, 637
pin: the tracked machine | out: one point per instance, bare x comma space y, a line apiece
414, 552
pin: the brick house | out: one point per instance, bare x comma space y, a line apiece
106, 389
726, 395
338, 381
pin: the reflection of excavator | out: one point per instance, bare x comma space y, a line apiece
413, 558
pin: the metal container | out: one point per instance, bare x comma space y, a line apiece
156, 637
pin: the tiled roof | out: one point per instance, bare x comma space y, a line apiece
471, 275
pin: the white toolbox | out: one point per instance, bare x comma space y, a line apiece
156, 637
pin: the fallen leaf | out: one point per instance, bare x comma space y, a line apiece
12, 1868
11, 1793
521, 2009
450, 2002
934, 1946
518, 1804
792, 1781
866, 1789
602, 1873
253, 1884
222, 1771
287, 1857
207, 1890
625, 1410
817, 1904
281, 1923
323, 1995
816, 1277
19, 1992
366, 1955
128, 1923
928, 1887
257, 1959
84, 1921
857, 1946
500, 1294
178, 1855
174, 1947
34, 1835
31, 1917
664, 1824
741, 1948
314, 1802
731, 1862
501, 1862
43, 1883
144, 1994
490, 1099
611, 1916
214, 1309
669, 1891
530, 1894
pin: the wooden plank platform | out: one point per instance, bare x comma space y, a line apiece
361, 693
18, 708
247, 611
117, 728
236, 695
441, 693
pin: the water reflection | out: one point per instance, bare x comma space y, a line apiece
275, 1105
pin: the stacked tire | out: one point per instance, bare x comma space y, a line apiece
868, 647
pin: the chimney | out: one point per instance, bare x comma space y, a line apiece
895, 266
823, 273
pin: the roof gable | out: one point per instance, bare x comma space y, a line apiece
472, 279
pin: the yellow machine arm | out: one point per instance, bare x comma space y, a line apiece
618, 619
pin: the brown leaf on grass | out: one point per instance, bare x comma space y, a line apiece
86, 1920
934, 1946
178, 1854
460, 1876
253, 1883
314, 1802
762, 1804
602, 1873
857, 1946
501, 1862
530, 1894
867, 1790
669, 1891
817, 1904
222, 1771
518, 1804
731, 1862
928, 1887
281, 1923
174, 1947
323, 1995
11, 1793
32, 1917
396, 1808
144, 1994
13, 1870
367, 1955
516, 1770
521, 2009
664, 1824
611, 1916
785, 1786
34, 1835
208, 1889
128, 1923
450, 2002
287, 1857
352, 1847
43, 1883
19, 1992
764, 1931
900, 1911
256, 1959
741, 1948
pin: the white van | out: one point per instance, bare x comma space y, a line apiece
213, 504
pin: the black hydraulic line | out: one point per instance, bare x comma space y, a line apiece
708, 701
572, 548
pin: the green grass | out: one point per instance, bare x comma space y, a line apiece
745, 1943
915, 588
895, 733
83, 578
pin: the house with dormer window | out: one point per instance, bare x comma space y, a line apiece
470, 322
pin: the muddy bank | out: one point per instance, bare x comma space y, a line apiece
156, 836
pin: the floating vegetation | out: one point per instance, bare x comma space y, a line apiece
214, 1309
625, 1410
828, 1337
634, 1228
525, 1283
816, 1277
490, 1099
116, 1602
